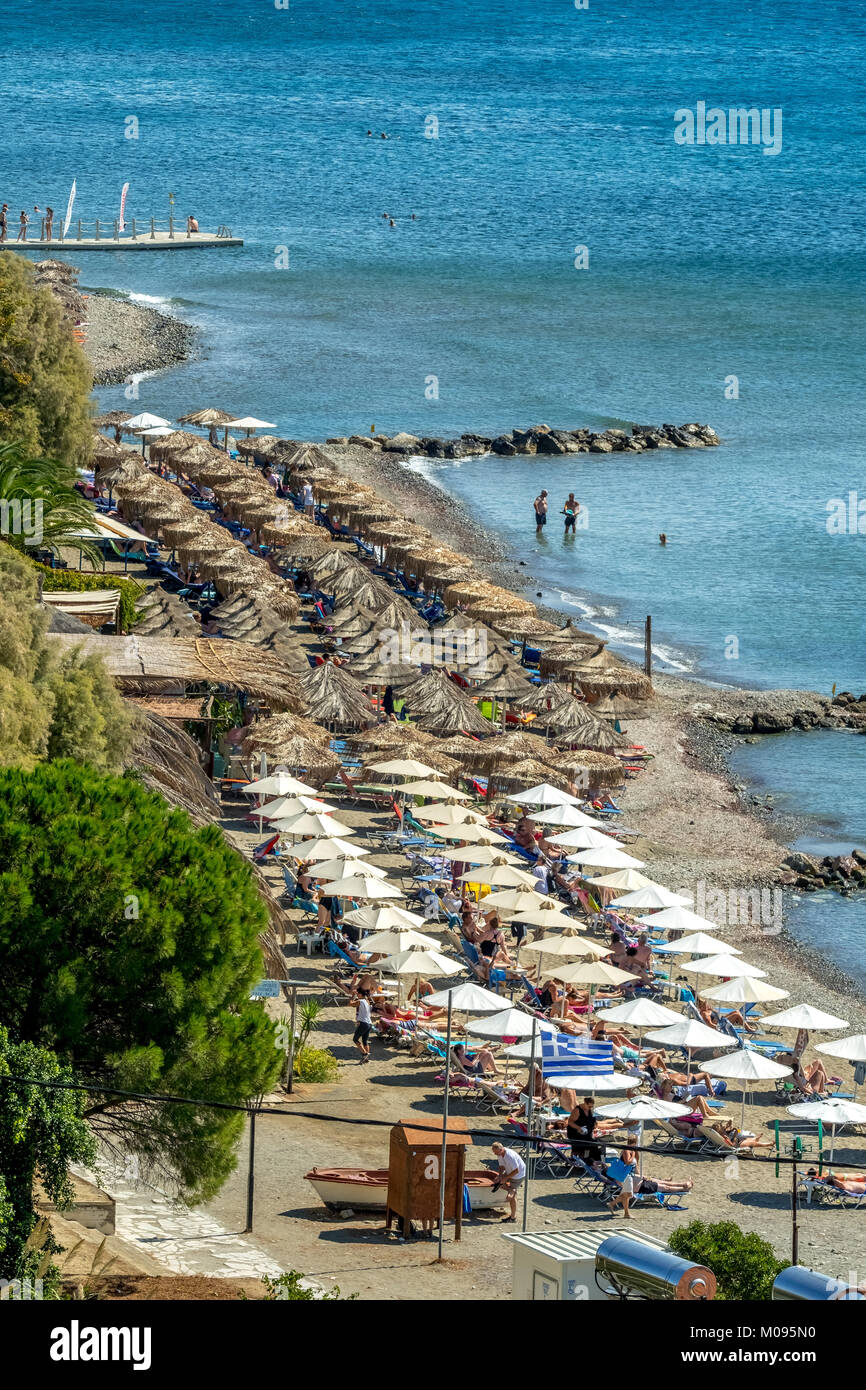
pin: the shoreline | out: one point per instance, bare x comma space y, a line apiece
125, 340
696, 824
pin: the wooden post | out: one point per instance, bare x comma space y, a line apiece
42, 229
171, 228
291, 1057
97, 229
115, 229
152, 230
648, 647
133, 229
251, 1175
79, 229
795, 1230
60, 235
443, 1157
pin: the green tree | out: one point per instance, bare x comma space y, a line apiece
50, 705
129, 945
45, 379
39, 504
745, 1265
42, 1132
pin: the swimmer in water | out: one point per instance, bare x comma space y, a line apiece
663, 540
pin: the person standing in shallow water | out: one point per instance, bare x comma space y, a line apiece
540, 505
570, 511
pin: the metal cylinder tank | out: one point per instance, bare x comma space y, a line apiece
797, 1283
628, 1268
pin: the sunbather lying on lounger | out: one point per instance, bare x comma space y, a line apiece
740, 1138
635, 1185
483, 1063
812, 1078
852, 1183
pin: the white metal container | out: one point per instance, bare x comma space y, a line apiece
559, 1266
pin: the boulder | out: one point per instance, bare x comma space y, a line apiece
805, 865
680, 438
434, 448
767, 721
364, 440
338, 439
549, 444
524, 441
402, 440
475, 443
598, 444
503, 445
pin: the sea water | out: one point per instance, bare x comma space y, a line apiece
556, 256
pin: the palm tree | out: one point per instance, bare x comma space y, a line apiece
40, 506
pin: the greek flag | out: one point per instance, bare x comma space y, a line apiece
561, 1054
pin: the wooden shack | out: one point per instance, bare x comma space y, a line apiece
414, 1167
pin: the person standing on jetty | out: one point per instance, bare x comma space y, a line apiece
570, 511
4, 221
22, 226
540, 505
49, 223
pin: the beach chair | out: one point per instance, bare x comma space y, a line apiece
616, 1172
495, 1099
715, 1143
588, 1180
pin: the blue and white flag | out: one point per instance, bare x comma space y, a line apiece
562, 1054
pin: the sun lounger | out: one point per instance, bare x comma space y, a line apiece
495, 1099
615, 1174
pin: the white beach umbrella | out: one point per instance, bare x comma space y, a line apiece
346, 868
643, 1108
379, 918
449, 813
580, 949
509, 1023
832, 1112
548, 913
584, 837
568, 816
478, 854
285, 807
419, 963
428, 788
679, 919
522, 1051
395, 940
587, 1085
405, 767
743, 990
747, 1066
313, 823
469, 833
543, 795
690, 1033
155, 432
804, 1016
278, 784
596, 972
568, 946
326, 847
144, 421
697, 944
467, 998
649, 898
851, 1049
514, 899
732, 967
607, 858
249, 424
623, 880
641, 1013
367, 887
499, 876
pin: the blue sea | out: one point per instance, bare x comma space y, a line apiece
723, 284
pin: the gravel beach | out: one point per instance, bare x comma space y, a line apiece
124, 339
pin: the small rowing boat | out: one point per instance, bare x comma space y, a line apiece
367, 1188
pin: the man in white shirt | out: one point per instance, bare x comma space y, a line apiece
363, 1023
307, 499
512, 1171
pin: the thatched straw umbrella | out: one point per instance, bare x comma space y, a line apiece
211, 415
591, 769
507, 684
528, 626
336, 561
615, 679
388, 736
575, 724
298, 754
269, 733
529, 772
460, 749
565, 657
302, 543
505, 749
545, 697
304, 458
172, 445
439, 706
337, 698
112, 420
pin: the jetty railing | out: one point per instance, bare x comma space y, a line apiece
102, 229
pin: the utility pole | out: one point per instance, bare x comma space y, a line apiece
648, 647
795, 1229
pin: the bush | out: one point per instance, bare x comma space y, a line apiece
45, 378
74, 581
287, 1288
316, 1064
744, 1265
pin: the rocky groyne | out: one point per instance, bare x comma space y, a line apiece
844, 873
541, 439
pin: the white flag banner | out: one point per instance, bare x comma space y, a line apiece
123, 192
68, 218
